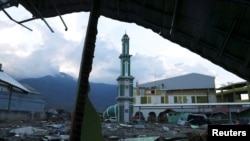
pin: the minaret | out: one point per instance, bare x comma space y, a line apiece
125, 84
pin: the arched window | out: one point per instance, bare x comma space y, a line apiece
126, 48
126, 68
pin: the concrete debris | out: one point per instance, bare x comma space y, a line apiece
181, 122
139, 126
165, 128
194, 126
126, 125
34, 131
48, 131
54, 125
141, 139
164, 131
27, 131
56, 137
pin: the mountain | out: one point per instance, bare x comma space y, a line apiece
60, 92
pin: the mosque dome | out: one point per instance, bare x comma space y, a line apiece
111, 111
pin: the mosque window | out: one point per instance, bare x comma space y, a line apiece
134, 100
149, 101
185, 99
162, 99
142, 92
178, 99
201, 99
143, 100
152, 91
126, 68
193, 99
126, 48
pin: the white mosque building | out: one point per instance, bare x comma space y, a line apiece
155, 97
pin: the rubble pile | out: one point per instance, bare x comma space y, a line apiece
59, 131
34, 131
158, 130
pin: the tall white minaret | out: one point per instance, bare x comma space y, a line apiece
125, 84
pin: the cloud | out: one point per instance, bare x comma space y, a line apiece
40, 52
106, 67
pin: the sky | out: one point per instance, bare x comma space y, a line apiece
36, 53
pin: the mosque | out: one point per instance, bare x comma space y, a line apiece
131, 100
195, 93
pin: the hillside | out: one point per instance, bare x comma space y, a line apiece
60, 92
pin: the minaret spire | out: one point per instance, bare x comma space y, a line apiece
125, 84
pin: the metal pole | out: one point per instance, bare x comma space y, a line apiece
10, 89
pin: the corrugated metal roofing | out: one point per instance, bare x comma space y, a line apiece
10, 81
188, 81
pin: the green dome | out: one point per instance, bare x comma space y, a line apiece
111, 111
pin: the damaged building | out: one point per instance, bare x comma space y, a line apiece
19, 101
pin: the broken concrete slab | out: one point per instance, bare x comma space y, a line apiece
28, 131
